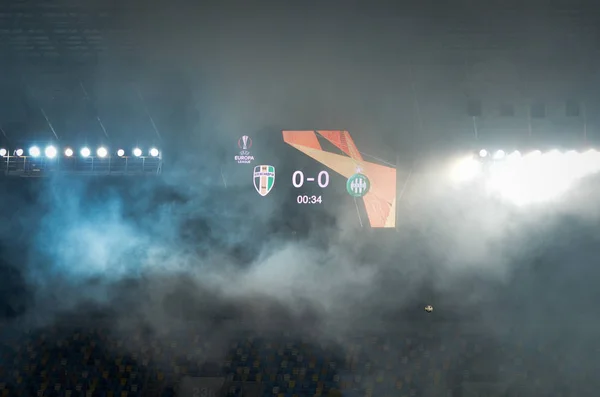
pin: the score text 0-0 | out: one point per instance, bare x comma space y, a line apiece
298, 179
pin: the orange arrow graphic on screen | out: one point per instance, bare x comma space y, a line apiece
380, 201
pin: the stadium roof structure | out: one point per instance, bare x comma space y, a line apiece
69, 81
82, 73
60, 29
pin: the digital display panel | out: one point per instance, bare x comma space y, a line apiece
318, 177
369, 185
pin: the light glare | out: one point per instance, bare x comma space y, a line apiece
465, 170
68, 152
102, 152
85, 152
534, 178
154, 152
19, 152
137, 152
50, 152
34, 151
120, 152
540, 177
3, 152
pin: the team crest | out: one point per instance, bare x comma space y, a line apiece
264, 179
358, 185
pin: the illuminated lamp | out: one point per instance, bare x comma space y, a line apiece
50, 152
34, 151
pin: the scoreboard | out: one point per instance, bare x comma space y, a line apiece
310, 176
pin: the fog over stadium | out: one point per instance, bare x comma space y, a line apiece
499, 246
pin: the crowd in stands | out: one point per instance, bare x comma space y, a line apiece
95, 362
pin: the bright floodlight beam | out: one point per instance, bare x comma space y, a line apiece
3, 152
85, 152
465, 170
120, 152
19, 152
34, 151
154, 152
68, 152
137, 152
499, 155
50, 152
514, 155
102, 152
483, 153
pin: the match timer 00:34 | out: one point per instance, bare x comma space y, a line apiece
306, 199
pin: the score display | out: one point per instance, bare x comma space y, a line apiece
310, 178
298, 179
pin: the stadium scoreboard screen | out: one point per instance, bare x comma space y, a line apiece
309, 175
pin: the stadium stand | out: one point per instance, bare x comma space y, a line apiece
84, 362
98, 362
93, 362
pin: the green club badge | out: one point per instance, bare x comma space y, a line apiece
358, 185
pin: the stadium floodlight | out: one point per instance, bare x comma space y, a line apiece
3, 152
34, 151
85, 152
50, 152
120, 152
137, 152
19, 152
68, 152
571, 153
483, 153
102, 152
154, 152
572, 157
499, 155
591, 160
591, 153
552, 155
465, 170
514, 155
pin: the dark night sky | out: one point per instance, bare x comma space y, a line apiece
222, 67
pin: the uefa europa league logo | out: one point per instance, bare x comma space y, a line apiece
245, 142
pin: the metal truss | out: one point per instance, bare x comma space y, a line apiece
27, 166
